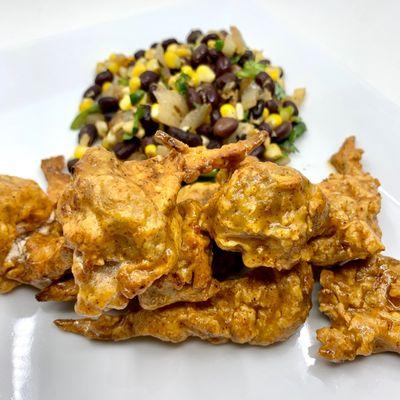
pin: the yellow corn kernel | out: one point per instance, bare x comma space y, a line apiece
113, 67
80, 151
205, 73
172, 47
228, 111
211, 44
274, 120
194, 80
106, 86
134, 84
125, 103
273, 152
183, 52
85, 104
100, 67
265, 113
150, 150
152, 65
172, 60
138, 69
155, 111
149, 54
188, 70
273, 72
112, 57
172, 80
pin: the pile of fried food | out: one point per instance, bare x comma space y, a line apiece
231, 260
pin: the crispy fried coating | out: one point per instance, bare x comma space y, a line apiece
268, 213
39, 257
121, 218
353, 230
191, 278
262, 308
199, 191
23, 208
61, 290
362, 300
57, 180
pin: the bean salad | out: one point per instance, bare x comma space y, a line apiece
209, 91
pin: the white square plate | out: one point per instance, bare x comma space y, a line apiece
41, 84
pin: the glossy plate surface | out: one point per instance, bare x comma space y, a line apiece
41, 85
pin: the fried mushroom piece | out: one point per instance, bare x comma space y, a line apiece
267, 212
122, 221
38, 258
262, 308
57, 180
353, 231
191, 279
199, 191
362, 300
23, 208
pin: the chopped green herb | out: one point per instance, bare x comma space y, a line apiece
136, 96
235, 59
181, 83
123, 81
288, 145
250, 69
210, 176
286, 112
219, 44
137, 116
246, 115
80, 119
279, 91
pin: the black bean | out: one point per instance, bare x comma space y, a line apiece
210, 36
247, 56
258, 109
193, 36
290, 103
153, 45
152, 89
262, 78
270, 86
71, 165
165, 43
272, 106
125, 149
204, 130
102, 77
213, 55
147, 140
147, 78
264, 61
199, 55
209, 94
92, 92
224, 127
214, 144
258, 151
88, 131
215, 116
108, 104
222, 65
222, 80
150, 127
282, 132
193, 98
191, 139
264, 126
139, 54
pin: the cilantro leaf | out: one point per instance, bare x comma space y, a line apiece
181, 83
298, 130
250, 69
137, 116
280, 93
